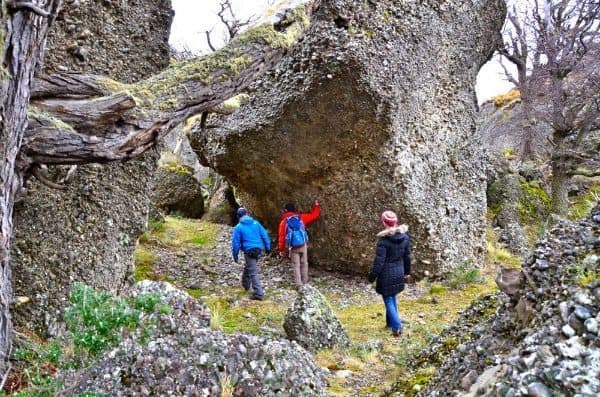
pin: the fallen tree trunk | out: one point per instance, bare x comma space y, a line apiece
81, 118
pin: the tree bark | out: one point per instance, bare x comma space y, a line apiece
560, 189
25, 31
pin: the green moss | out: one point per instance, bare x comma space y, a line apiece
509, 153
535, 203
177, 168
47, 119
437, 289
144, 261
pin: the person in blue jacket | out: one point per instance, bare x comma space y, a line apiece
391, 267
252, 239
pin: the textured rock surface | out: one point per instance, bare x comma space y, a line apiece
373, 110
311, 322
88, 232
556, 350
182, 357
177, 191
505, 195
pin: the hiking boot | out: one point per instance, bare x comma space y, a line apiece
256, 298
397, 334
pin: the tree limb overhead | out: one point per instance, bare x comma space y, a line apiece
81, 118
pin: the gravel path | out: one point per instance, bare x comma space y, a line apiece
195, 268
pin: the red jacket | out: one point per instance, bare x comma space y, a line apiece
307, 218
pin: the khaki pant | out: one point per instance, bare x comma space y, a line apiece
299, 259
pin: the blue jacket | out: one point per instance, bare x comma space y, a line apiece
248, 234
392, 261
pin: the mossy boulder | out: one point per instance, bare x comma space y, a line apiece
311, 322
176, 191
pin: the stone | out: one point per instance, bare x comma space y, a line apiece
177, 354
176, 191
468, 380
568, 331
538, 389
591, 325
365, 119
511, 282
311, 322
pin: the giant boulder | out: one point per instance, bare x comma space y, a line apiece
374, 109
88, 231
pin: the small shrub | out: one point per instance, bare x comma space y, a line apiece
94, 319
216, 317
463, 275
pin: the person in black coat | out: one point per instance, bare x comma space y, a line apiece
391, 267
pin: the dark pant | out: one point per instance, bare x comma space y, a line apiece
392, 319
250, 277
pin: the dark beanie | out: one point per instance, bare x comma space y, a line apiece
241, 212
289, 207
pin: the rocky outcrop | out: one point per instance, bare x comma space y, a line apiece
183, 357
176, 191
372, 110
311, 322
88, 231
548, 343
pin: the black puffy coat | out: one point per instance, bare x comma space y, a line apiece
392, 261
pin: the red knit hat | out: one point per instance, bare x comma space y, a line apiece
389, 218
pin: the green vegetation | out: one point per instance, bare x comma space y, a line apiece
534, 205
497, 254
95, 322
583, 204
144, 261
464, 274
177, 168
587, 271
509, 153
176, 232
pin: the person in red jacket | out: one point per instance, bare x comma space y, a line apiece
298, 254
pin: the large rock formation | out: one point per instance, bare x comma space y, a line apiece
88, 231
544, 340
374, 109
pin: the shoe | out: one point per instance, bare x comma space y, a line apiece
256, 298
397, 334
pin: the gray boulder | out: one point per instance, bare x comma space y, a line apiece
373, 110
177, 191
311, 322
511, 282
182, 357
